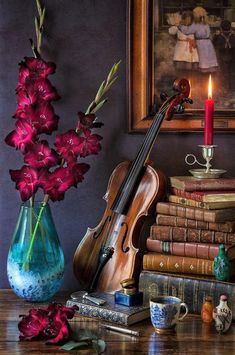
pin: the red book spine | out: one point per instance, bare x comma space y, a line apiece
193, 250
197, 196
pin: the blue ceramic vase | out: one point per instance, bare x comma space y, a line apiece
35, 265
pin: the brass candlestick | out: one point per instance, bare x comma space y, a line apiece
207, 173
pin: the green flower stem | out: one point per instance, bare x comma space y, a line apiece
44, 203
35, 232
98, 102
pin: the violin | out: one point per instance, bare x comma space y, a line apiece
110, 252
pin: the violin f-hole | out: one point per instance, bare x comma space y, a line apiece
124, 238
96, 235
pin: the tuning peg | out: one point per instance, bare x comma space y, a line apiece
188, 100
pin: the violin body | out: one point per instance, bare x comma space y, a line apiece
110, 253
121, 232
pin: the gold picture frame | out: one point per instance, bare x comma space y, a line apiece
140, 74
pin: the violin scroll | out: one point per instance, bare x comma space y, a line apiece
174, 102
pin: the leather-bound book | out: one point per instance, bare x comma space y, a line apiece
200, 214
109, 311
175, 221
191, 289
193, 250
177, 264
211, 205
189, 183
205, 196
180, 234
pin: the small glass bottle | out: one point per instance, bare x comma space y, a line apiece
222, 265
207, 310
222, 315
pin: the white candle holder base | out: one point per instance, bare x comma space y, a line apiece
207, 173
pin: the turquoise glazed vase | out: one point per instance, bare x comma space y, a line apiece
222, 265
35, 265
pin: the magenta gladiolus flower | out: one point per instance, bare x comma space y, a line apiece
78, 171
50, 324
33, 324
26, 181
33, 68
42, 117
38, 67
23, 102
85, 121
56, 183
90, 144
22, 136
68, 311
58, 330
24, 74
41, 155
41, 89
69, 144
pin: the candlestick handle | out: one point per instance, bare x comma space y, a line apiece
207, 173
194, 161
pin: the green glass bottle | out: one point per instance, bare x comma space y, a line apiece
222, 265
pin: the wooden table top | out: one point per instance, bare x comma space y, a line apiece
192, 336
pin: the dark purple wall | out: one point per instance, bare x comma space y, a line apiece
84, 38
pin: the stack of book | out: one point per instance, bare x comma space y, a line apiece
198, 216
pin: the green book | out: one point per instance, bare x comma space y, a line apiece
110, 311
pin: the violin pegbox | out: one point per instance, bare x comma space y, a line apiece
176, 101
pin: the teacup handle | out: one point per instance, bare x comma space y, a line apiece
186, 311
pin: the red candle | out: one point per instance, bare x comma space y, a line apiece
209, 112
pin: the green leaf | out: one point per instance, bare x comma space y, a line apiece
85, 335
113, 71
100, 91
36, 26
42, 18
39, 7
99, 346
70, 345
110, 84
90, 107
100, 104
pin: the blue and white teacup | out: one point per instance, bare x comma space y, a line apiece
165, 313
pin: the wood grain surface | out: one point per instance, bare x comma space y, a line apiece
191, 337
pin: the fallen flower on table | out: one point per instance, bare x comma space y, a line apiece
51, 324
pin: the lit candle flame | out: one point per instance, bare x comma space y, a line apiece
210, 88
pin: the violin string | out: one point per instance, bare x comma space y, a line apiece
151, 132
135, 165
150, 136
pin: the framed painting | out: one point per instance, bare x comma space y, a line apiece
174, 39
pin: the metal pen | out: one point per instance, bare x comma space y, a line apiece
121, 330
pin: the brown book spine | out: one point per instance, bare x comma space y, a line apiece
193, 250
188, 183
174, 221
205, 196
180, 234
177, 264
206, 205
200, 214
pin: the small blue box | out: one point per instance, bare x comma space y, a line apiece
128, 300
